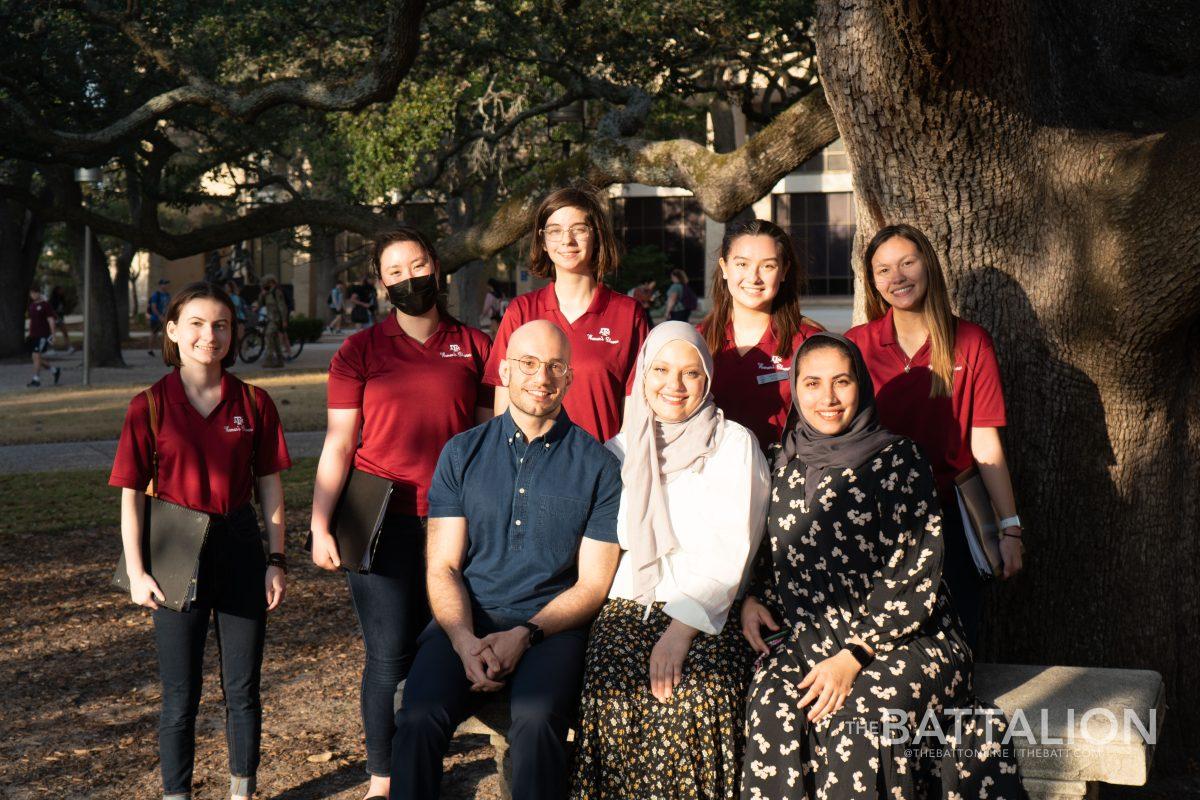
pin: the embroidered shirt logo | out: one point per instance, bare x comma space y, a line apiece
775, 365
239, 426
455, 352
605, 336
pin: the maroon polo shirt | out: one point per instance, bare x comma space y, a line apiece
604, 346
413, 397
752, 388
941, 425
40, 314
205, 463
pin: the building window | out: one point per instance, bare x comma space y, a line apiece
830, 159
675, 225
822, 228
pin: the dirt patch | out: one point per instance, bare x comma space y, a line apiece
81, 693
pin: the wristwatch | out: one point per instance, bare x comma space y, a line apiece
536, 634
277, 560
860, 654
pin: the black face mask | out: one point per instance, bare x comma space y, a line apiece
414, 296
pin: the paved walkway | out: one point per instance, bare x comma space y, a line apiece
61, 456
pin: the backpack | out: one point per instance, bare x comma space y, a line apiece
689, 300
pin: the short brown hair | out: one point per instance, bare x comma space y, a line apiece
196, 291
607, 254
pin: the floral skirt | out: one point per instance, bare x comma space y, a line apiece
631, 745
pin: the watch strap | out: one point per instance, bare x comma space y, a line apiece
861, 655
536, 634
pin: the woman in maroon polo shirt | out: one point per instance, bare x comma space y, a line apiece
937, 382
755, 325
207, 441
573, 245
407, 384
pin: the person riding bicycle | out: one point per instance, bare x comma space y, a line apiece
274, 304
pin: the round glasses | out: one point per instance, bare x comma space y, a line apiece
530, 366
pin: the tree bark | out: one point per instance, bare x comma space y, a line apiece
323, 267
22, 233
121, 288
1059, 189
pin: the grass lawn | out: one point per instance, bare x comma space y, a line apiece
52, 502
75, 415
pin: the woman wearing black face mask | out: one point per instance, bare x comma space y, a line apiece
407, 384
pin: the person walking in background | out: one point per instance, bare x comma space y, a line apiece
755, 324
58, 302
398, 391
41, 335
937, 382
239, 307
681, 300
362, 301
662, 711
646, 295
493, 310
336, 303
156, 310
274, 306
574, 245
203, 439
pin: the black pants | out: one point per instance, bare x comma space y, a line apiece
960, 574
231, 589
392, 608
544, 699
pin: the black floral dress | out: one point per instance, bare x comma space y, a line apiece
866, 561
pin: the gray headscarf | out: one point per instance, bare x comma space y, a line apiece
657, 451
853, 447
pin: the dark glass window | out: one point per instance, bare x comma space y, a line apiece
822, 227
675, 225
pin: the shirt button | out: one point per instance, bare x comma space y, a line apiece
518, 522
521, 490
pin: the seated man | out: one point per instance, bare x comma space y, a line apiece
522, 549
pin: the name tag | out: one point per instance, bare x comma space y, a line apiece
772, 377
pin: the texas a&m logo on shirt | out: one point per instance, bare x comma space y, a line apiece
775, 365
605, 336
456, 351
239, 426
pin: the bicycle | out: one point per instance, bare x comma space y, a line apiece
254, 342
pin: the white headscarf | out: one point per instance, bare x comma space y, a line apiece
657, 451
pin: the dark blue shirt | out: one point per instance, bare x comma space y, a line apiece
527, 504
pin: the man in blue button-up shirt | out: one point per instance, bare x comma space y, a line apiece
522, 551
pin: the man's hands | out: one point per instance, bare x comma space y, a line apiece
506, 648
666, 659
478, 661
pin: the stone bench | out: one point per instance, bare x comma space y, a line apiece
1075, 768
1070, 770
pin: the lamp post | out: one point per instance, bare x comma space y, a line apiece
84, 177
571, 114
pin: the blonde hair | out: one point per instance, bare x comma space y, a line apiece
939, 319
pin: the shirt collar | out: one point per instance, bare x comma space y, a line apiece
176, 395
562, 424
548, 301
391, 326
887, 329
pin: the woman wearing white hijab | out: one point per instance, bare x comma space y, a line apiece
662, 710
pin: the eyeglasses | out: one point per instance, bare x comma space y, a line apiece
530, 366
555, 234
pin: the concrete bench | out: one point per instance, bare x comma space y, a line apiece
1078, 706
1067, 762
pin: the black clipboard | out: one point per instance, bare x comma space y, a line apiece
358, 518
173, 538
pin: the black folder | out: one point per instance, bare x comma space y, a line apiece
358, 518
172, 540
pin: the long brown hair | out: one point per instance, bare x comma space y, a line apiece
196, 291
786, 317
606, 253
939, 319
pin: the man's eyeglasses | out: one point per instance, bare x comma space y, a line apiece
555, 233
530, 366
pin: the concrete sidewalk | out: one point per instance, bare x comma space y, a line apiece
63, 456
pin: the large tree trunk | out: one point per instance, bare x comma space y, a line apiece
22, 234
121, 288
323, 263
106, 334
1044, 150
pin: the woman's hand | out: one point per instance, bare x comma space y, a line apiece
828, 684
1012, 552
276, 586
754, 616
325, 551
143, 590
666, 659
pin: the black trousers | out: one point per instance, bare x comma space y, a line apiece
392, 608
544, 698
960, 574
231, 590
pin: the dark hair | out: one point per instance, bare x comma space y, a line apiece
814, 343
606, 252
196, 291
407, 233
939, 319
679, 275
786, 317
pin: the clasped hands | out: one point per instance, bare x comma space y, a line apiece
489, 659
